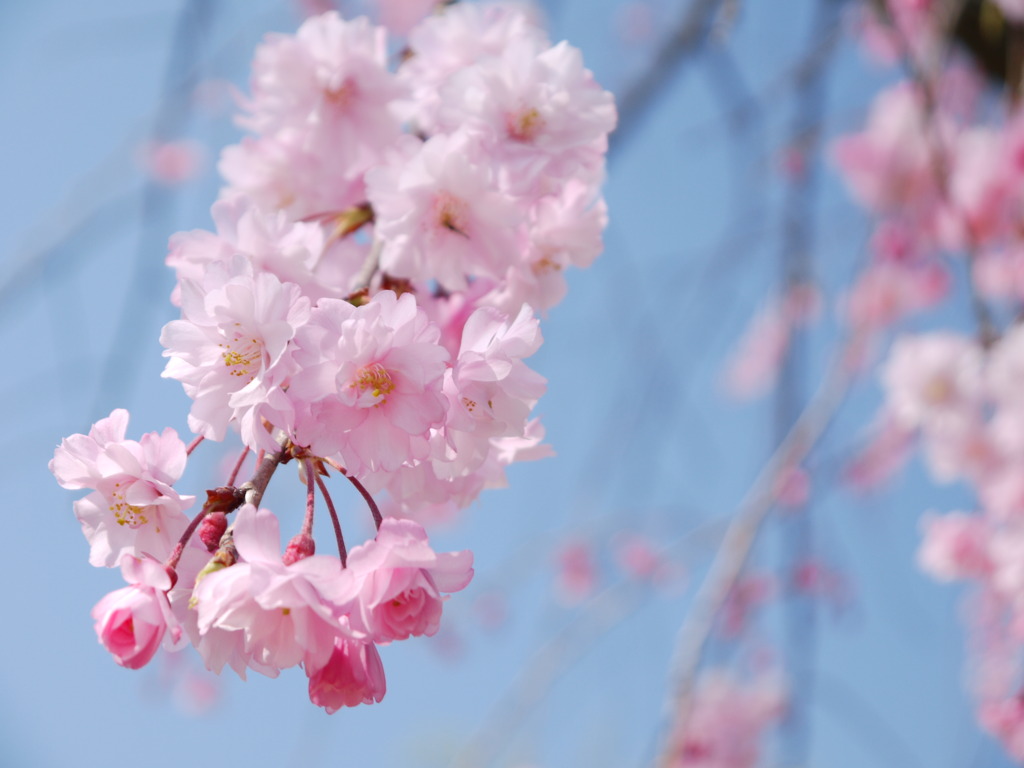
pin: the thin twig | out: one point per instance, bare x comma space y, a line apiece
733, 553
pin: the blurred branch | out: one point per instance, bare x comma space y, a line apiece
602, 612
733, 553
795, 271
639, 97
174, 112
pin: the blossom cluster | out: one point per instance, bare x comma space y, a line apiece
943, 173
728, 721
364, 305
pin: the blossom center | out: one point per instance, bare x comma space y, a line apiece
450, 213
242, 355
375, 382
340, 95
524, 125
125, 513
938, 391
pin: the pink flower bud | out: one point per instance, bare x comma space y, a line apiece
212, 528
130, 625
353, 675
299, 547
131, 622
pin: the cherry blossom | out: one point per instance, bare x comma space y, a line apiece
133, 509
132, 622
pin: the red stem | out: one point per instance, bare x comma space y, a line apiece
307, 523
374, 509
238, 467
193, 444
342, 552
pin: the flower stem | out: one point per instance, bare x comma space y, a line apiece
238, 466
192, 446
342, 552
307, 523
374, 509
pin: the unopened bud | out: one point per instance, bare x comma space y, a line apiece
299, 547
212, 528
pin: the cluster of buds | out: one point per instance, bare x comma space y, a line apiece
364, 307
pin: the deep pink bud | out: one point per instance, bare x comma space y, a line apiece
212, 528
353, 675
133, 621
299, 547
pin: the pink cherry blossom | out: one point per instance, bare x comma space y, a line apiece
539, 112
132, 622
576, 571
955, 546
490, 389
369, 388
889, 165
280, 176
295, 252
134, 509
933, 379
398, 581
728, 720
284, 613
173, 162
231, 350
440, 214
447, 43
353, 675
326, 88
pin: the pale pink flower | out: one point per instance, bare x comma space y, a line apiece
728, 720
286, 614
982, 199
1005, 371
564, 230
999, 275
576, 571
295, 252
132, 622
231, 350
490, 387
280, 176
447, 43
440, 215
889, 166
353, 675
369, 387
173, 162
955, 546
933, 379
134, 509
398, 581
963, 447
539, 112
327, 89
